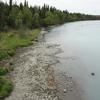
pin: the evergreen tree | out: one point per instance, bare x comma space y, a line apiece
17, 16
21, 6
36, 20
25, 3
27, 17
19, 20
10, 3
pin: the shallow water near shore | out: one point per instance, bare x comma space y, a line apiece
80, 42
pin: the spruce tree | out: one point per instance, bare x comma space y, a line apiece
10, 3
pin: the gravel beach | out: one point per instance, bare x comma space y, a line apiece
33, 76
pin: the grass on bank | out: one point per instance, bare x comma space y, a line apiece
10, 41
3, 71
6, 85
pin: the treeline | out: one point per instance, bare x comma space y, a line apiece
23, 16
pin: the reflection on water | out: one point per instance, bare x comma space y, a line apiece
81, 44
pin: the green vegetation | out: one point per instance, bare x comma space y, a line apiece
22, 16
5, 84
11, 40
3, 71
5, 87
27, 21
15, 31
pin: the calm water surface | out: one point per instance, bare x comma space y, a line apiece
80, 42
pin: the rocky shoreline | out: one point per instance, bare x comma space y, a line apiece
32, 76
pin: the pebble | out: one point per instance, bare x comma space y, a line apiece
64, 90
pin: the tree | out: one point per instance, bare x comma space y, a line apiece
3, 15
10, 3
21, 6
16, 16
27, 17
19, 20
12, 17
25, 3
36, 20
49, 19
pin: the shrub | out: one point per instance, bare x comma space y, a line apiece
3, 54
5, 87
3, 71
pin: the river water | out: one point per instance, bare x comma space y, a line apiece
80, 42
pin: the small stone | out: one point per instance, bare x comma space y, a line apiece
36, 40
64, 90
11, 63
71, 89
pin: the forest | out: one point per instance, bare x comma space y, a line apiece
13, 16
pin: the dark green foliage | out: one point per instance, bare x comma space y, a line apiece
10, 3
22, 16
36, 20
26, 3
3, 71
21, 6
3, 15
19, 20
12, 17
5, 87
3, 54
27, 17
